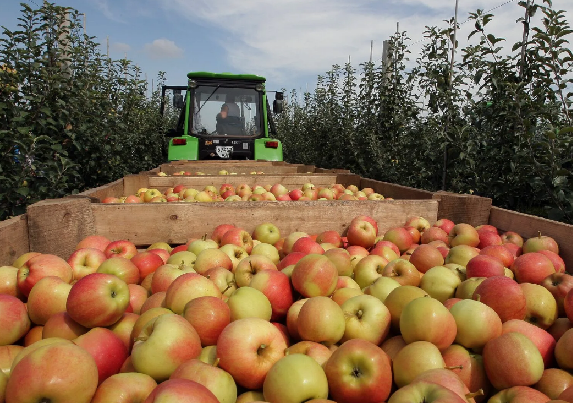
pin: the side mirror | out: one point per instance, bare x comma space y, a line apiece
278, 103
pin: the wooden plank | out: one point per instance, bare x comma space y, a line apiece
57, 225
463, 208
239, 169
394, 191
529, 226
13, 239
112, 189
199, 182
176, 223
336, 171
132, 183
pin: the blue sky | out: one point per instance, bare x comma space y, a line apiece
290, 42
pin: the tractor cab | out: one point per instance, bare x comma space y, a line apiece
223, 116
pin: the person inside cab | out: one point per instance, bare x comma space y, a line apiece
229, 120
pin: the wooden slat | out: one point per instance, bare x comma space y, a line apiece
110, 190
132, 183
239, 169
175, 223
199, 182
13, 239
57, 225
394, 191
461, 208
528, 226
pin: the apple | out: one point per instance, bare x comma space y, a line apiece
484, 266
9, 352
107, 349
392, 345
85, 261
70, 367
121, 248
476, 322
425, 257
400, 237
181, 391
122, 268
532, 268
33, 335
463, 234
147, 263
558, 262
381, 288
468, 366
541, 306
512, 237
163, 344
218, 381
446, 378
434, 234
544, 342
330, 236
124, 327
307, 245
94, 241
341, 295
366, 318
359, 371
320, 353
124, 388
500, 252
444, 224
518, 394
467, 287
440, 282
512, 359
322, 320
98, 299
553, 382
314, 275
62, 326
267, 250
414, 359
219, 231
559, 285
223, 279
182, 257
211, 258
165, 275
540, 242
560, 326
307, 380
461, 254
248, 302
415, 234
236, 253
428, 319
504, 296
162, 253
292, 318
402, 271
564, 351
249, 266
14, 320
42, 266
425, 392
199, 245
187, 287
209, 316
9, 282
398, 298
362, 232
248, 348
369, 269
346, 282
488, 238
275, 285
239, 237
47, 297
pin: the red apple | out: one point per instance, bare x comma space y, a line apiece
42, 266
400, 237
362, 232
187, 287
125, 388
209, 316
484, 266
519, 394
121, 248
14, 321
62, 326
503, 295
239, 237
557, 261
488, 238
307, 245
434, 234
532, 268
47, 297
512, 237
122, 268
275, 285
85, 261
181, 391
147, 263
314, 275
94, 241
559, 285
444, 224
544, 342
553, 382
425, 257
500, 252
321, 320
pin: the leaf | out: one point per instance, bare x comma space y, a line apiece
24, 191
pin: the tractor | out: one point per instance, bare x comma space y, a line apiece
223, 116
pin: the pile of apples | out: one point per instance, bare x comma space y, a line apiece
244, 192
221, 172
446, 313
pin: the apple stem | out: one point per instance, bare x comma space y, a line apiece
204, 237
475, 394
261, 349
455, 367
231, 284
216, 363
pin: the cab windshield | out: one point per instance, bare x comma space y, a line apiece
220, 111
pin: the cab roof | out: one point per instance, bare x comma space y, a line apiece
231, 76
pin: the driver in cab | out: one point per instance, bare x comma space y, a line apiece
228, 120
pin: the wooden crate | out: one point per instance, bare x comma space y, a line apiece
56, 226
244, 169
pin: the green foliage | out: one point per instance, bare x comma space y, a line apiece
70, 118
497, 124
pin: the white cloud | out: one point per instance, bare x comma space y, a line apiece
106, 10
120, 47
163, 49
283, 40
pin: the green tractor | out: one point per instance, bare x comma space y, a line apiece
223, 117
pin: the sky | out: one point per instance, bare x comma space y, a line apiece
289, 42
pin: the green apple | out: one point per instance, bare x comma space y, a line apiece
440, 283
217, 380
366, 318
381, 288
268, 250
248, 302
267, 233
199, 244
413, 359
